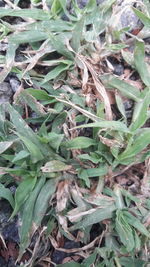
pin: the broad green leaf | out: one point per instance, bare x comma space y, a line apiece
22, 193
139, 143
5, 145
60, 46
55, 140
25, 131
27, 215
132, 220
39, 94
140, 114
77, 35
55, 72
124, 231
21, 155
95, 217
79, 143
34, 13
145, 19
55, 166
28, 36
140, 64
42, 201
35, 152
126, 89
112, 125
6, 194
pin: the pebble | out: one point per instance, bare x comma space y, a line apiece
3, 46
5, 92
2, 3
129, 19
118, 69
15, 84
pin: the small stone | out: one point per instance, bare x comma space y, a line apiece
128, 105
118, 69
3, 47
15, 84
129, 19
5, 92
2, 3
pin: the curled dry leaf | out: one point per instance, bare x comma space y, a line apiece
110, 142
145, 186
76, 215
98, 86
62, 195
73, 250
55, 166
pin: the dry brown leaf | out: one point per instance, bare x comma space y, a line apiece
98, 86
62, 195
145, 186
73, 250
110, 142
75, 214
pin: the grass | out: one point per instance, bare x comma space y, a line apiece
61, 141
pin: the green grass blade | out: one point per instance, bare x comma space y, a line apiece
6, 194
33, 13
140, 114
42, 201
141, 141
27, 215
126, 89
140, 64
22, 193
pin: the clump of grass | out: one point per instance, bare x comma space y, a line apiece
65, 160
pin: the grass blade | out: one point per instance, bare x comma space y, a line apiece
6, 194
27, 215
125, 88
140, 64
22, 193
139, 143
42, 201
